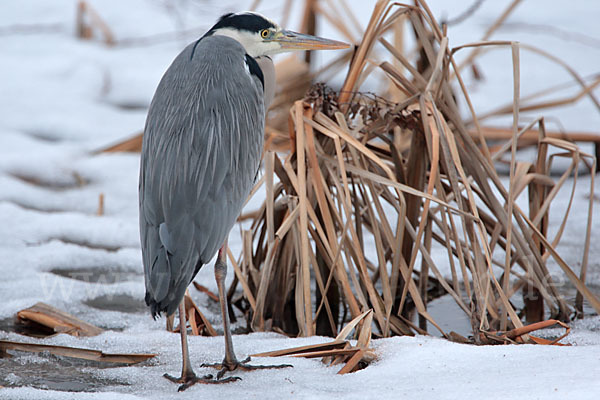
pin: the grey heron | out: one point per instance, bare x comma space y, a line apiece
201, 153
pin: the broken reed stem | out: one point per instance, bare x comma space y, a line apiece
307, 329
100, 210
87, 19
511, 186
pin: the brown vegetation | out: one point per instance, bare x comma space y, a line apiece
371, 185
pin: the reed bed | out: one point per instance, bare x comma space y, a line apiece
364, 192
372, 198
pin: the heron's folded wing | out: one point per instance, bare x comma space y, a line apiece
202, 147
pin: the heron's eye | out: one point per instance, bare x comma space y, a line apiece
264, 33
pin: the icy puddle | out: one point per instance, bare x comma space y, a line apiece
96, 275
450, 317
53, 373
118, 302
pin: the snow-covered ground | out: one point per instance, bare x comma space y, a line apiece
61, 99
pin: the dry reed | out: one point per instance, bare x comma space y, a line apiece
360, 191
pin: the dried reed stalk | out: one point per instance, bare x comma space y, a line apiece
88, 20
74, 352
57, 320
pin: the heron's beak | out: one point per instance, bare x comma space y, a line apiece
298, 41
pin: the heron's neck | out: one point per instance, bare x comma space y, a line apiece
268, 69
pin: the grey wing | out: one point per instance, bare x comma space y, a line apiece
201, 151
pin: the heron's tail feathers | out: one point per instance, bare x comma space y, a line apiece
163, 294
170, 272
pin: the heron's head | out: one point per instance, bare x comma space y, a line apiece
262, 37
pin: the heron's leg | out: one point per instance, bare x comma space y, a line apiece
188, 377
169, 320
230, 361
187, 373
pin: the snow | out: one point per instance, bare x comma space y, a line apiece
62, 99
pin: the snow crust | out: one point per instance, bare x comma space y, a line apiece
61, 99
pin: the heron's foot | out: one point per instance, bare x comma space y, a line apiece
190, 380
241, 365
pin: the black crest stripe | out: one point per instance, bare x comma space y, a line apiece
225, 16
245, 22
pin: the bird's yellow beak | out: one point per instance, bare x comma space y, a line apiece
298, 41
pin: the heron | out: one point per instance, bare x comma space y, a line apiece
201, 154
